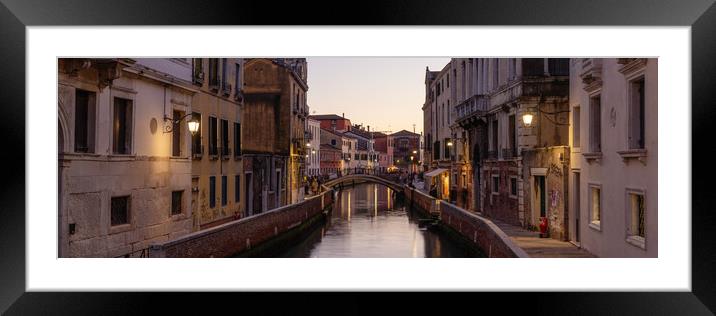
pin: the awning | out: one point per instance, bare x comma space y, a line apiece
435, 172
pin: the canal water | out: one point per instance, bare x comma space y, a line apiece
366, 222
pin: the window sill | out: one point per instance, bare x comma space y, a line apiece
590, 157
636, 241
213, 157
513, 196
596, 226
197, 156
120, 228
178, 217
638, 154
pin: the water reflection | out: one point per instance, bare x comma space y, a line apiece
367, 223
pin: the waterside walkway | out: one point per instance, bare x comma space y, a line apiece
537, 247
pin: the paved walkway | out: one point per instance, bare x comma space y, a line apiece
541, 247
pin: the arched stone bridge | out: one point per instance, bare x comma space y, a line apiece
352, 178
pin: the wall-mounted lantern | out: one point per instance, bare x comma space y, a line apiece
527, 119
193, 124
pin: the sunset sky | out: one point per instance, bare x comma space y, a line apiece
386, 93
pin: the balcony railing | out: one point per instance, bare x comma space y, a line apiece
475, 104
492, 154
508, 153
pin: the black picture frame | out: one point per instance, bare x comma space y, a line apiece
15, 15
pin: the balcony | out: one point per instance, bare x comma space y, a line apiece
509, 153
472, 109
591, 74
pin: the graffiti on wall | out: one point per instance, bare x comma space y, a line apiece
554, 169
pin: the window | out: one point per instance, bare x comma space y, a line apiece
532, 66
237, 139
84, 121
120, 210
176, 202
224, 82
213, 73
495, 129
237, 188
512, 135
595, 208
513, 186
558, 66
436, 153
636, 229
495, 184
495, 73
122, 126
212, 137
237, 79
225, 138
447, 151
176, 135
212, 192
595, 124
223, 191
196, 147
575, 126
333, 142
512, 68
636, 114
198, 77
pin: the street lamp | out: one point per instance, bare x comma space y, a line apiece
527, 119
449, 143
415, 151
193, 124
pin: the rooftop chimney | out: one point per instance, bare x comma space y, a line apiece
343, 115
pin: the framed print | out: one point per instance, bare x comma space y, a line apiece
438, 147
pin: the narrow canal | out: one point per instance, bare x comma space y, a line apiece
366, 222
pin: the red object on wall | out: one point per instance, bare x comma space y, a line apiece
543, 227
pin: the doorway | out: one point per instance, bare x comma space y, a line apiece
541, 195
576, 208
248, 191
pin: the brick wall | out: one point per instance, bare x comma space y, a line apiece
480, 231
243, 234
500, 204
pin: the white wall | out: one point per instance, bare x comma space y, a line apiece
612, 172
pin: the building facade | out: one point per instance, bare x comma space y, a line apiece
217, 167
313, 162
481, 151
614, 158
273, 133
437, 120
405, 150
124, 166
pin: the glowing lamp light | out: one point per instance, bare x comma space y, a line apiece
193, 126
415, 151
527, 119
449, 143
